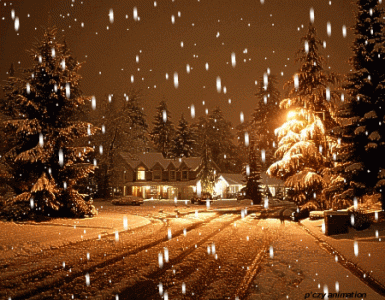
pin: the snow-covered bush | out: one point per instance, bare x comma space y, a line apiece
361, 220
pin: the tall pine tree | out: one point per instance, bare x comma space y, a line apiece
252, 174
265, 119
184, 140
44, 166
304, 148
206, 174
123, 129
221, 142
360, 153
163, 131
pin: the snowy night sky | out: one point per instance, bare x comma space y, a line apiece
145, 40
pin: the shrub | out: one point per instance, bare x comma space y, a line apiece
361, 220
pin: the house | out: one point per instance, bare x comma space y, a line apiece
150, 175
275, 186
228, 184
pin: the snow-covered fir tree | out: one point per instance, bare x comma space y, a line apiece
42, 105
184, 140
361, 132
163, 131
304, 148
265, 119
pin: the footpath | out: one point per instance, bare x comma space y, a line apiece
365, 249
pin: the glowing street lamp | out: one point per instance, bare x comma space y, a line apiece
291, 115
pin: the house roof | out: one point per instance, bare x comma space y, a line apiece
162, 183
233, 179
238, 179
192, 162
150, 159
271, 181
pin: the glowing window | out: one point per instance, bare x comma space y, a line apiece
141, 173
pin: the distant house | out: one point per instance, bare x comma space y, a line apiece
150, 175
274, 185
228, 184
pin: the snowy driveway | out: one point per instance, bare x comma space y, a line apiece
183, 252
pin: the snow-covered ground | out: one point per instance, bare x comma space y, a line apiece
216, 258
370, 246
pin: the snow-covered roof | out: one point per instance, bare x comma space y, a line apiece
266, 180
238, 179
171, 183
233, 179
150, 159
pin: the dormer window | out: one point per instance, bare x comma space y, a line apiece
157, 174
172, 175
184, 175
141, 173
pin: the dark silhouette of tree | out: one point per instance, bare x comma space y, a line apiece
361, 132
184, 140
163, 131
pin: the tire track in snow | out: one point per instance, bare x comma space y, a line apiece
208, 272
54, 283
253, 270
147, 288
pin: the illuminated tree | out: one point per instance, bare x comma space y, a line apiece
304, 148
361, 132
207, 173
43, 166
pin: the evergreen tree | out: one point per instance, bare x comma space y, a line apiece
221, 144
304, 148
207, 173
44, 167
123, 129
242, 150
162, 133
265, 119
184, 140
311, 88
252, 173
360, 153
138, 134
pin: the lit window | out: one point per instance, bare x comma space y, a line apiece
141, 173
